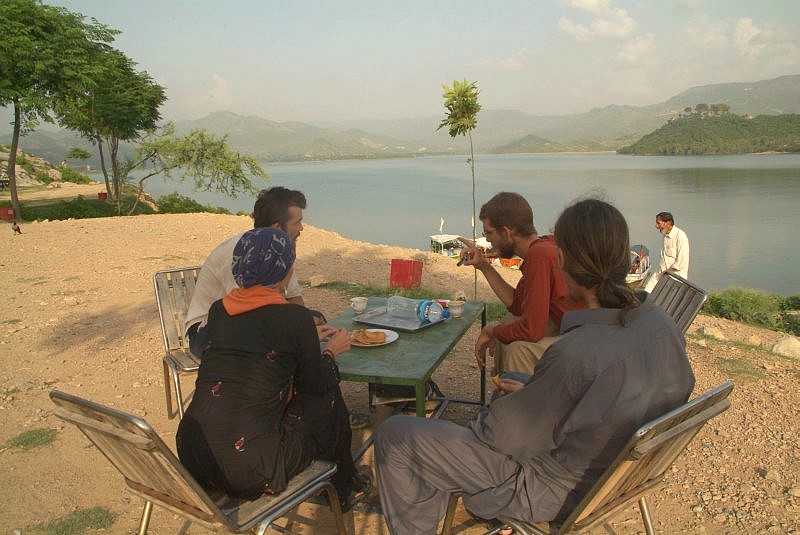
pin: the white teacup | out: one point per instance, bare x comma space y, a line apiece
456, 308
359, 304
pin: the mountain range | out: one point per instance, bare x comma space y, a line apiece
498, 131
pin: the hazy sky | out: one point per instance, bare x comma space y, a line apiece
345, 59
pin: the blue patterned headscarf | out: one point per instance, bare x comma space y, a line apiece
263, 256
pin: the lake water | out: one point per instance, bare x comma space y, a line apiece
740, 212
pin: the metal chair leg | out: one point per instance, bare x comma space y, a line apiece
648, 524
167, 388
336, 509
176, 378
450, 514
148, 510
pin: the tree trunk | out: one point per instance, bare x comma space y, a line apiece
474, 214
139, 195
99, 141
12, 161
113, 148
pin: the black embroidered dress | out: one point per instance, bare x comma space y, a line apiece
266, 403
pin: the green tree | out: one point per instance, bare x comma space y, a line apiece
720, 108
43, 53
77, 153
701, 109
117, 103
461, 103
208, 160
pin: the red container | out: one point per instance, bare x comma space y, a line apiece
405, 274
102, 195
6, 213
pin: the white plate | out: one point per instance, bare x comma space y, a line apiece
391, 336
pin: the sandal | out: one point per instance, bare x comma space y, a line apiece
359, 420
360, 491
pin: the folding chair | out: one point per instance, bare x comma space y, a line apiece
152, 472
174, 289
680, 298
638, 469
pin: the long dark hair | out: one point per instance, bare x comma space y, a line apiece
593, 237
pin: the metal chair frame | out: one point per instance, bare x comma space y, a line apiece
154, 473
681, 299
174, 289
638, 469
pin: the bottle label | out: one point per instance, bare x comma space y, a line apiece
423, 311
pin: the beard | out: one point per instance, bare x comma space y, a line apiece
505, 250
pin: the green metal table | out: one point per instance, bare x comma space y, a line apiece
412, 359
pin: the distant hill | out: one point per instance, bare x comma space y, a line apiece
613, 126
499, 131
275, 141
767, 97
727, 134
532, 144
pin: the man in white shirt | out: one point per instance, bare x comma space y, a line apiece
275, 207
674, 251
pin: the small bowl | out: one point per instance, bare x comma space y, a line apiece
456, 308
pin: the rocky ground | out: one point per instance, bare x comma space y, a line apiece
79, 315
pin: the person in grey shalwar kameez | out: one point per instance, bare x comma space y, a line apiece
536, 451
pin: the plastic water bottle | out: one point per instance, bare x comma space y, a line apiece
426, 311
431, 311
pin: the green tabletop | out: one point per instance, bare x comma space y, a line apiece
412, 359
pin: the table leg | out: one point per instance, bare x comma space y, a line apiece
419, 392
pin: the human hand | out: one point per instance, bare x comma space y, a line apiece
483, 343
325, 332
471, 255
338, 341
506, 386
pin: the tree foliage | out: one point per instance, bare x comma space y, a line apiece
116, 103
724, 134
77, 153
208, 160
461, 103
43, 54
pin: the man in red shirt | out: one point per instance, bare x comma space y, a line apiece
540, 299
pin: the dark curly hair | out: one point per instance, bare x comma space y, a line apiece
272, 206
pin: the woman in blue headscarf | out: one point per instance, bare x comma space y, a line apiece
267, 400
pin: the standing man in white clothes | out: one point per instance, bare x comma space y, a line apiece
674, 251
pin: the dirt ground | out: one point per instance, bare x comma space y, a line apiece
80, 316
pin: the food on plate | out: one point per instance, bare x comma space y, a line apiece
366, 337
496, 380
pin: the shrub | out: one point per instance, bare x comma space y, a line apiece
790, 303
79, 208
69, 174
748, 306
174, 203
791, 322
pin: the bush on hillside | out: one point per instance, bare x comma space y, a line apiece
69, 174
78, 208
756, 308
174, 203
